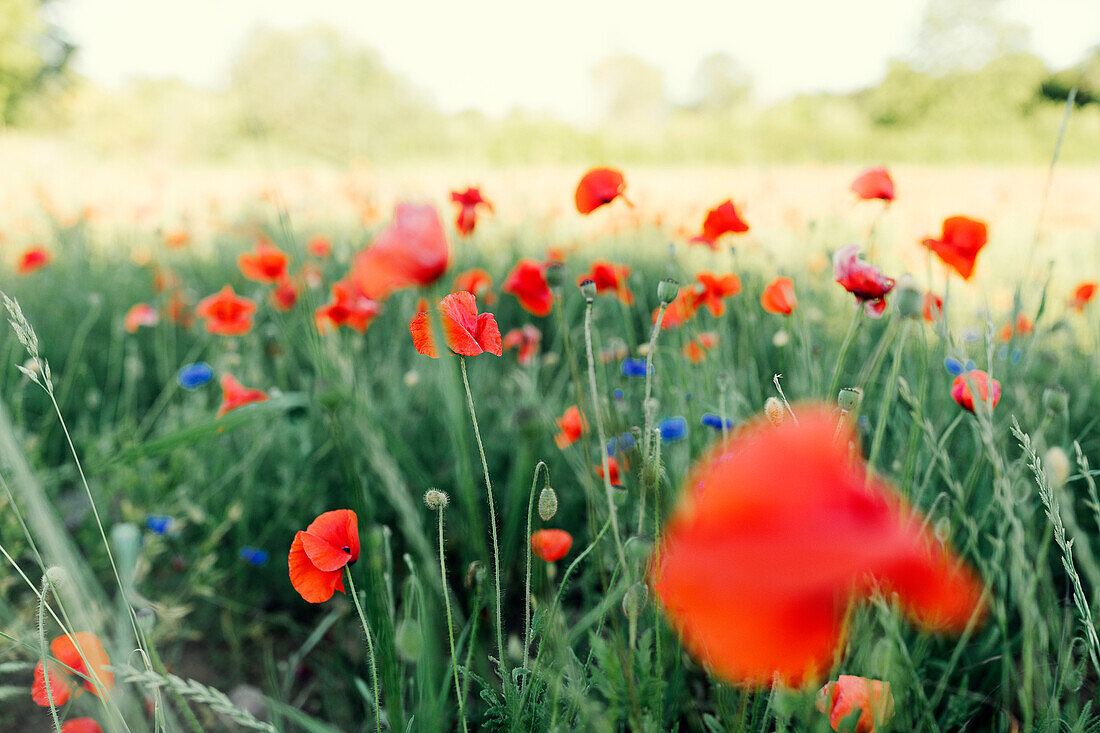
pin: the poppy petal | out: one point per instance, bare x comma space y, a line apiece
315, 586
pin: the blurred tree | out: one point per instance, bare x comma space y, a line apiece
32, 52
964, 35
722, 84
1085, 75
631, 91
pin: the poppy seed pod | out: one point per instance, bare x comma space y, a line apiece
910, 299
850, 398
667, 290
555, 275
634, 600
548, 504
588, 290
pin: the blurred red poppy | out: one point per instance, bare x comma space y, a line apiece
33, 259
613, 471
226, 313
988, 389
778, 297
235, 394
714, 288
681, 310
527, 281
468, 202
933, 307
841, 700
1082, 295
411, 251
597, 187
319, 555
285, 294
778, 531
862, 280
346, 308
959, 244
571, 426
526, 340
81, 652
478, 282
609, 277
80, 725
176, 238
722, 219
140, 314
319, 247
696, 349
467, 332
874, 183
265, 264
551, 545
165, 279
1022, 327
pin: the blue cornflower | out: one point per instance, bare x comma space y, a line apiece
618, 395
715, 421
634, 368
620, 444
159, 525
193, 376
953, 366
673, 428
254, 555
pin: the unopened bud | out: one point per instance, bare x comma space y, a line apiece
850, 398
588, 290
548, 504
475, 573
910, 300
774, 409
1055, 399
723, 381
638, 548
409, 640
635, 599
667, 290
436, 499
57, 576
555, 275
1057, 467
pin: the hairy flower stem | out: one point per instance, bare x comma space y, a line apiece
887, 398
596, 414
450, 626
492, 519
45, 651
370, 649
540, 466
647, 409
843, 355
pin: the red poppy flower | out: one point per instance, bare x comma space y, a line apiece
988, 389
597, 187
411, 251
696, 349
68, 650
722, 219
874, 183
319, 247
609, 277
1023, 327
80, 725
571, 426
551, 545
526, 340
713, 288
319, 555
345, 308
777, 533
1082, 294
177, 310
778, 296
265, 264
613, 471
468, 201
848, 694
176, 238
235, 394
681, 310
933, 307
959, 244
285, 294
862, 280
478, 282
527, 281
33, 259
467, 332
226, 313
141, 314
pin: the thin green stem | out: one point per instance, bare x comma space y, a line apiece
450, 625
845, 346
541, 465
370, 650
888, 397
649, 375
492, 519
45, 652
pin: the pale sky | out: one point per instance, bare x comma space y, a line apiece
494, 55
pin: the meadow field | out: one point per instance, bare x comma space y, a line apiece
705, 467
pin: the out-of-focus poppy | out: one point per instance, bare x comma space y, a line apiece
862, 280
81, 652
988, 389
778, 297
722, 219
319, 247
478, 282
777, 532
468, 202
841, 699
176, 238
346, 308
613, 471
235, 394
959, 244
525, 340
696, 349
33, 259
933, 307
165, 279
1022, 327
1082, 295
712, 289
681, 310
411, 251
80, 725
284, 295
318, 555
265, 264
551, 545
874, 183
467, 332
140, 314
609, 277
311, 275
226, 313
571, 426
177, 309
527, 281
597, 187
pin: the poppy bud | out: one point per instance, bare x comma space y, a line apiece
475, 573
56, 576
667, 290
436, 499
849, 398
1057, 466
634, 600
638, 548
548, 504
555, 275
1055, 399
723, 381
773, 408
910, 300
409, 640
588, 290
